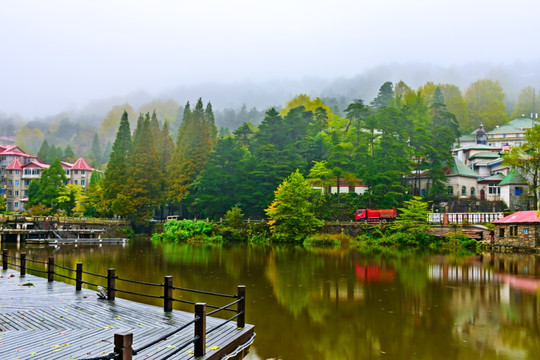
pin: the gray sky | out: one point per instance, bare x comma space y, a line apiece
59, 53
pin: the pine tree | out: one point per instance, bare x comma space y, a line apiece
95, 154
141, 192
51, 184
69, 155
116, 175
211, 123
43, 150
384, 97
194, 143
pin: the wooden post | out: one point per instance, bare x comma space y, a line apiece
4, 259
50, 269
110, 284
168, 294
200, 330
23, 264
241, 319
122, 346
78, 277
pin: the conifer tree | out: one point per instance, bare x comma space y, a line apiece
51, 184
141, 193
43, 150
193, 145
211, 123
69, 155
95, 152
116, 175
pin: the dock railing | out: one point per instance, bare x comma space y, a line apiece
123, 348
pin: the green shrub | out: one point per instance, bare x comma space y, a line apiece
331, 240
179, 230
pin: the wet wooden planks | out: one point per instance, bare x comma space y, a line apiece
41, 320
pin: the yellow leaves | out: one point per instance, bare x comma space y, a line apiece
213, 348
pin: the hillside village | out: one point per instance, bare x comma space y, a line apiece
476, 177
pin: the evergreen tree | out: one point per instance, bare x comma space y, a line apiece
193, 145
95, 154
53, 153
51, 185
116, 175
211, 122
222, 183
141, 193
485, 104
34, 195
69, 155
43, 150
107, 153
384, 97
290, 215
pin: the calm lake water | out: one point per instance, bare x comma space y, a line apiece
345, 304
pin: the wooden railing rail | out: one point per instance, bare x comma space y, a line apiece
123, 342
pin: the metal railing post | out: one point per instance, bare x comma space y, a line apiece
78, 277
122, 346
241, 319
110, 284
200, 329
23, 264
50, 269
168, 294
4, 259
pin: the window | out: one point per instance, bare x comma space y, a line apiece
25, 192
501, 232
525, 231
472, 191
67, 172
17, 172
16, 192
449, 190
26, 182
513, 230
10, 192
76, 172
10, 172
75, 182
10, 182
17, 182
82, 172
463, 190
494, 189
518, 190
82, 182
16, 204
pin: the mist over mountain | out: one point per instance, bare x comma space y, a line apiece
276, 93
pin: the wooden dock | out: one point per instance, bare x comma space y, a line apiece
40, 319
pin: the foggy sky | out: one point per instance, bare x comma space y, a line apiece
57, 54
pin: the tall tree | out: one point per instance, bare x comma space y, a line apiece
385, 96
43, 150
69, 155
116, 175
528, 104
96, 153
141, 192
485, 104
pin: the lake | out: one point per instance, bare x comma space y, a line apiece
312, 303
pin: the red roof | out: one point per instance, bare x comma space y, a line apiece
520, 217
15, 165
35, 164
80, 164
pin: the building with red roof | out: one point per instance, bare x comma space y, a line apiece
518, 230
18, 169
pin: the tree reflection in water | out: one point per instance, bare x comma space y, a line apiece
310, 303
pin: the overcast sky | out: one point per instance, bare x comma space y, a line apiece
57, 53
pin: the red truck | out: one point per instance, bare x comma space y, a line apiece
370, 215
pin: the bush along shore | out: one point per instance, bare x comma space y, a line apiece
389, 236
